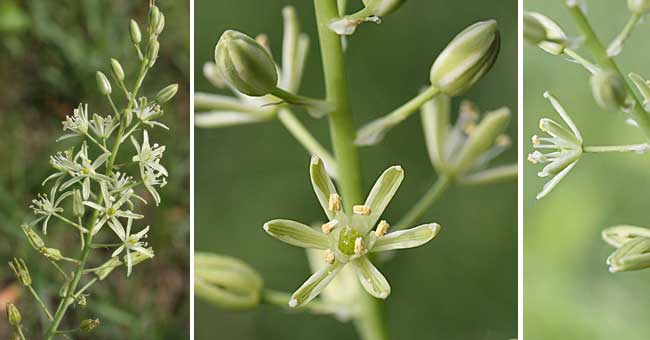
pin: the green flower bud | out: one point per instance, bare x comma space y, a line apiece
34, 240
152, 54
383, 8
639, 7
245, 64
134, 30
534, 31
633, 255
13, 315
227, 282
20, 270
52, 254
78, 208
102, 271
167, 93
154, 16
160, 25
553, 40
619, 235
467, 58
103, 84
118, 71
609, 90
89, 325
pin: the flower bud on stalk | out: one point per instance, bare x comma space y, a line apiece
13, 315
118, 71
154, 16
20, 270
534, 31
78, 208
639, 7
89, 325
152, 54
103, 84
134, 31
467, 58
382, 8
609, 90
227, 281
52, 254
34, 240
245, 64
166, 93
633, 255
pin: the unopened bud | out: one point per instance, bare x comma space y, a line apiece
102, 271
467, 58
152, 54
13, 315
552, 40
534, 31
78, 208
639, 7
166, 93
52, 254
160, 25
633, 255
382, 8
103, 84
118, 71
154, 16
226, 281
134, 31
609, 90
245, 64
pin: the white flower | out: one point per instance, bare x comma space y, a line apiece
133, 242
148, 155
103, 127
78, 123
83, 170
152, 179
110, 211
48, 206
147, 113
566, 146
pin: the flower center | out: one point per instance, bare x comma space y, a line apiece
347, 238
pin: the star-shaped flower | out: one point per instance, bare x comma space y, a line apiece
111, 210
348, 237
47, 207
566, 146
132, 242
83, 170
148, 155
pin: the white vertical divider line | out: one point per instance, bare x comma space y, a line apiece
191, 169
520, 171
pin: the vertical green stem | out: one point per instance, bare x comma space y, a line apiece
369, 322
603, 60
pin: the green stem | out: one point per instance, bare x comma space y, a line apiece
300, 133
40, 302
620, 39
425, 203
20, 332
408, 108
600, 54
369, 322
643, 147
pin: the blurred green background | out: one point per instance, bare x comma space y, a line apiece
49, 52
463, 285
569, 294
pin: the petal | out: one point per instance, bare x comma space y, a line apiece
555, 180
382, 192
409, 238
560, 110
213, 119
118, 228
371, 279
296, 234
94, 205
619, 235
435, 123
314, 285
322, 183
100, 160
493, 175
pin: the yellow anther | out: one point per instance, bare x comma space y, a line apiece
503, 140
469, 128
329, 226
536, 139
358, 246
334, 203
382, 228
361, 209
531, 159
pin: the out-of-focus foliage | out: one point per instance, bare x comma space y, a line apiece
49, 52
568, 292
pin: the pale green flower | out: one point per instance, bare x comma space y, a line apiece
47, 206
83, 170
132, 242
103, 127
148, 156
349, 237
78, 123
111, 210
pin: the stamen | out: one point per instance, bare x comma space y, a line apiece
329, 256
358, 246
334, 203
536, 139
329, 226
361, 209
382, 228
469, 128
503, 140
532, 159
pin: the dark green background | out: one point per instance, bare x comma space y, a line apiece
463, 285
569, 294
